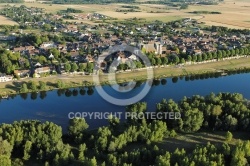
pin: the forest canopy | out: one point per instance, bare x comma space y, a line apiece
135, 141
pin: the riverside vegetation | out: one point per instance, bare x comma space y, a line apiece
32, 142
86, 87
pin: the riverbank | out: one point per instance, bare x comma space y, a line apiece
76, 80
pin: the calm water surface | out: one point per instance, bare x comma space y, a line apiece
51, 106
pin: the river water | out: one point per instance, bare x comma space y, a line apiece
56, 105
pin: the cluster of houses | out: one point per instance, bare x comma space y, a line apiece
149, 37
94, 45
82, 16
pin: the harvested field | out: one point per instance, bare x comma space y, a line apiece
6, 21
235, 14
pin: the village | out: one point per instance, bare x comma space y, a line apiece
68, 47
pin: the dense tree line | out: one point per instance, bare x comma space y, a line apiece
127, 10
205, 12
91, 2
183, 58
223, 111
70, 10
132, 7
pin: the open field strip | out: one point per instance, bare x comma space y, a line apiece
6, 21
233, 15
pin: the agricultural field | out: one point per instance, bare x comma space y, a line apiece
234, 14
6, 21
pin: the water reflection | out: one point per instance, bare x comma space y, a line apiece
82, 91
75, 92
24, 95
175, 79
43, 95
90, 91
68, 93
163, 81
156, 82
33, 95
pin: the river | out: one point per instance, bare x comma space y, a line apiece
56, 105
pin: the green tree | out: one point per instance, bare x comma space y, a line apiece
219, 54
42, 59
242, 51
77, 127
24, 88
67, 67
176, 59
229, 136
153, 61
204, 56
237, 51
5, 148
60, 84
164, 60
138, 64
191, 120
163, 160
42, 85
199, 58
27, 149
215, 55
33, 86
209, 56
74, 67
233, 52
92, 162
182, 60
82, 149
5, 160
90, 67
158, 61
226, 149
216, 110
47, 27
55, 52
194, 59
82, 67
26, 63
